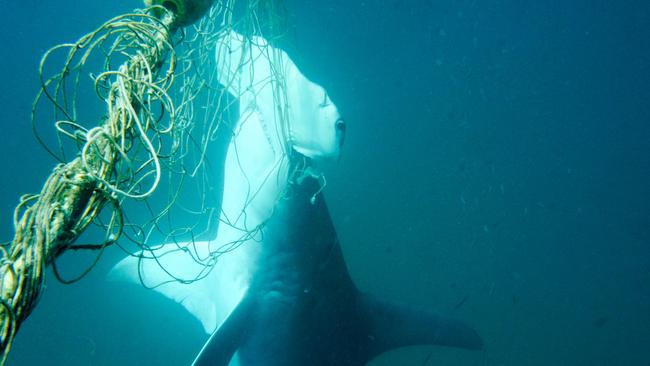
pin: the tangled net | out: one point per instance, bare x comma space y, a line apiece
162, 110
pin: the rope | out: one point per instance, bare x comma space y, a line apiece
154, 137
76, 192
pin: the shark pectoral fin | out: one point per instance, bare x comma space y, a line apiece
175, 274
224, 342
393, 325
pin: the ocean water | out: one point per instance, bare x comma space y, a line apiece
496, 169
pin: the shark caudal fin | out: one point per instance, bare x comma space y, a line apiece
393, 325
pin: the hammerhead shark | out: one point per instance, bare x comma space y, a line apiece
302, 307
283, 295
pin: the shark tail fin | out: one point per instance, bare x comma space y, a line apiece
394, 325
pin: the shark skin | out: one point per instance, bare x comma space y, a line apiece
256, 172
302, 308
284, 296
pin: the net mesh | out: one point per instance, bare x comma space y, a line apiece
140, 174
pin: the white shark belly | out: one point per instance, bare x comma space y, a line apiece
209, 294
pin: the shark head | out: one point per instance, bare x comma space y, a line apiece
316, 128
302, 116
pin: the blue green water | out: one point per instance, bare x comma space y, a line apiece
496, 168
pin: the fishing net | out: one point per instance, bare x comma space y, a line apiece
135, 107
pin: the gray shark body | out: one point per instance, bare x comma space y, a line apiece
283, 296
302, 307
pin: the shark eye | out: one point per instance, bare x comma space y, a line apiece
340, 130
340, 125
